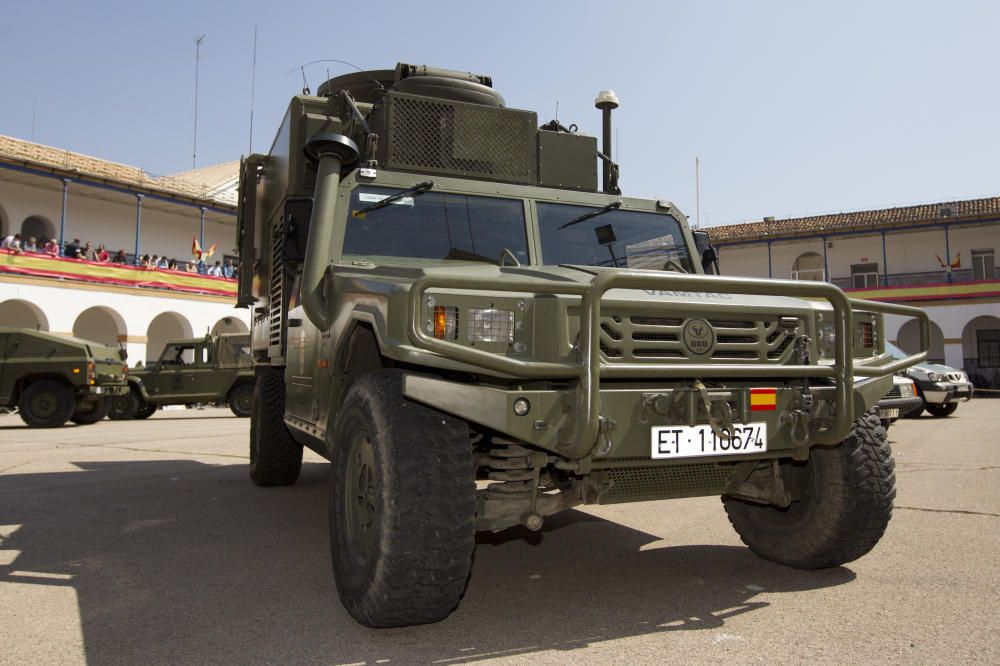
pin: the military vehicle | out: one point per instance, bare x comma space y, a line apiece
448, 307
212, 369
52, 379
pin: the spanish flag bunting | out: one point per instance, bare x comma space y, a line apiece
763, 399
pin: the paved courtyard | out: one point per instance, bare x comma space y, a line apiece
145, 542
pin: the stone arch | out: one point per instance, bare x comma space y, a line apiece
809, 266
101, 324
981, 350
23, 314
230, 325
41, 228
908, 339
3, 222
165, 327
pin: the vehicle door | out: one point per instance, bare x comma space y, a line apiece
167, 381
198, 379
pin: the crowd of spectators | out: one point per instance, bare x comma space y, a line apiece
77, 250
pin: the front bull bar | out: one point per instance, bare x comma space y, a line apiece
590, 369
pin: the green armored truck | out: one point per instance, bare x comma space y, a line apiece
450, 307
215, 368
52, 379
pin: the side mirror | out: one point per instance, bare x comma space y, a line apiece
709, 257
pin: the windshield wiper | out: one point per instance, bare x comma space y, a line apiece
415, 191
614, 205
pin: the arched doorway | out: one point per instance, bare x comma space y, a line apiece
22, 314
981, 351
908, 340
809, 266
37, 227
230, 325
3, 223
165, 327
100, 324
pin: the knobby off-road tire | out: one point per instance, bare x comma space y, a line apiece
143, 409
940, 411
94, 414
846, 504
241, 400
275, 458
402, 506
46, 404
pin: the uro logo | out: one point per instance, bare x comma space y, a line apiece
698, 337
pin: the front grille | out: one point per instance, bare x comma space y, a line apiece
664, 481
625, 338
437, 135
894, 392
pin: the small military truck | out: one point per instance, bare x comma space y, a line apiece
450, 306
52, 379
212, 369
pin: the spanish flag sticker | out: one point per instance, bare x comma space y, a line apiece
763, 399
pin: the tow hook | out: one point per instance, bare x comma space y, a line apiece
604, 442
720, 414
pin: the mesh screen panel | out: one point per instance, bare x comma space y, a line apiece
627, 482
440, 136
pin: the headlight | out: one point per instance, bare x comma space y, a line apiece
490, 325
826, 333
907, 390
934, 377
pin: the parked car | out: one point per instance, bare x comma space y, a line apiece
940, 387
52, 379
212, 369
901, 399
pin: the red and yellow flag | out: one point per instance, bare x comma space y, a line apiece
763, 399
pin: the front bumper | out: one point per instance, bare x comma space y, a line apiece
892, 408
942, 393
105, 390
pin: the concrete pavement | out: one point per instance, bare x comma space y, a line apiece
145, 541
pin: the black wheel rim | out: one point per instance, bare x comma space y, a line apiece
44, 405
244, 399
119, 405
361, 500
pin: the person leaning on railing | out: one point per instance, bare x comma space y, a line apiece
51, 247
12, 243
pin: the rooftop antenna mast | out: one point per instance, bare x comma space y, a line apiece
197, 59
253, 81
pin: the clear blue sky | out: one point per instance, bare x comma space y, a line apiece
793, 107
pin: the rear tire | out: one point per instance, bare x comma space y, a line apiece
46, 404
145, 410
275, 457
402, 506
94, 414
845, 506
241, 400
941, 411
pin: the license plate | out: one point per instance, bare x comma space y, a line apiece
892, 413
98, 390
700, 440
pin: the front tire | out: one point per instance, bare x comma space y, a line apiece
94, 414
845, 506
941, 411
241, 400
402, 506
123, 407
46, 404
275, 457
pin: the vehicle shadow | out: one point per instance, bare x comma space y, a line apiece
181, 561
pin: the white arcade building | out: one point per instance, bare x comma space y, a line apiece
49, 193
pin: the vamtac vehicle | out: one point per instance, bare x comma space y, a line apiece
441, 293
215, 369
53, 379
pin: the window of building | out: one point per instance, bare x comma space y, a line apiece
988, 347
984, 265
864, 276
809, 266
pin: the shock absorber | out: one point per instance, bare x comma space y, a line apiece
516, 472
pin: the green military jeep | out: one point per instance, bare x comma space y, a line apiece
52, 379
215, 369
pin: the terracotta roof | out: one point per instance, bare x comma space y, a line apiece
219, 181
864, 220
86, 166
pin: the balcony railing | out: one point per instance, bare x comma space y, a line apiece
79, 270
911, 279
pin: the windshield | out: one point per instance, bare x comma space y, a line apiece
894, 351
618, 238
435, 225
